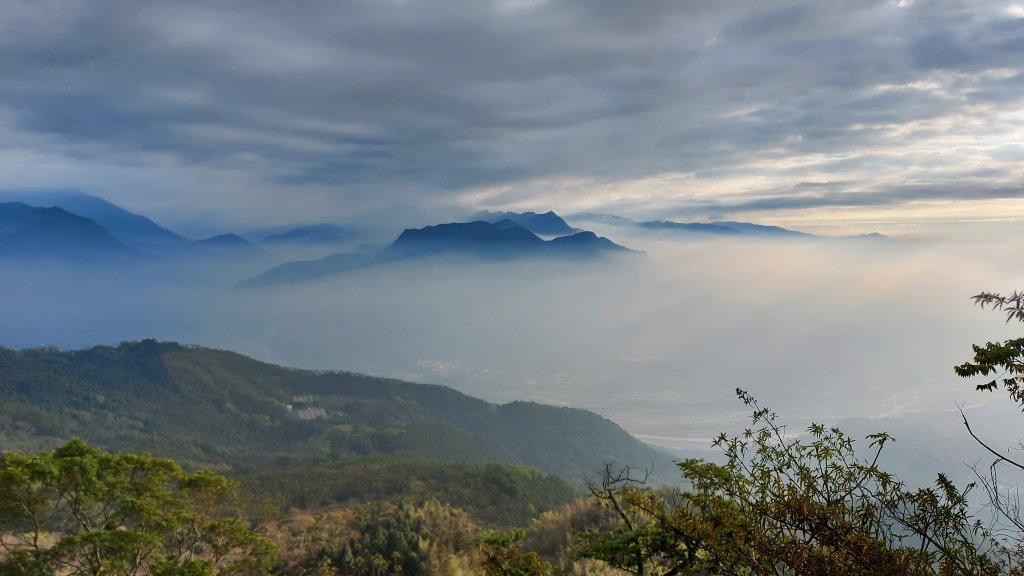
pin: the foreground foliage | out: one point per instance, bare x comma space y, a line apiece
80, 510
1004, 363
780, 504
499, 495
1004, 359
784, 504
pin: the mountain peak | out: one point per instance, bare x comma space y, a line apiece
586, 242
477, 237
312, 234
545, 224
226, 242
133, 229
34, 232
501, 240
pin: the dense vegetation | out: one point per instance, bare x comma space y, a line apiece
80, 510
779, 505
787, 504
498, 495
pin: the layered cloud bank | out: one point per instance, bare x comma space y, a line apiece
883, 110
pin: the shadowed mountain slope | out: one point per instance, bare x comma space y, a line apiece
53, 233
313, 234
132, 229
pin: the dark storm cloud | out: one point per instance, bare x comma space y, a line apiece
454, 95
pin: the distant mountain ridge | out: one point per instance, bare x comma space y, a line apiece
477, 237
763, 230
312, 234
134, 233
54, 233
216, 408
546, 224
698, 227
501, 240
716, 228
227, 242
132, 229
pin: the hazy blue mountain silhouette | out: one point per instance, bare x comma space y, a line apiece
305, 270
869, 236
54, 233
603, 218
227, 242
721, 228
763, 230
583, 243
132, 229
504, 238
312, 234
546, 224
500, 240
481, 238
689, 227
725, 228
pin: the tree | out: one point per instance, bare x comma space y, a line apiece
500, 555
793, 504
1005, 361
640, 544
81, 510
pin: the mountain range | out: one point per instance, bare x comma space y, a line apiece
312, 234
135, 233
546, 224
73, 226
715, 228
500, 240
54, 233
231, 242
132, 229
724, 228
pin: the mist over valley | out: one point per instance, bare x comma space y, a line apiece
656, 338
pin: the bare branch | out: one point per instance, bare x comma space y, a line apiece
1000, 457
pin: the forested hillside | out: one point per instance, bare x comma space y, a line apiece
221, 410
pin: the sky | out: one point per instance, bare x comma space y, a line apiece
205, 115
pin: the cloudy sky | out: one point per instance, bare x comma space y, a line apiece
232, 112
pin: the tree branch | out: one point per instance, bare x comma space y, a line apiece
1000, 457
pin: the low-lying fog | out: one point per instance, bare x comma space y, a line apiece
830, 331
